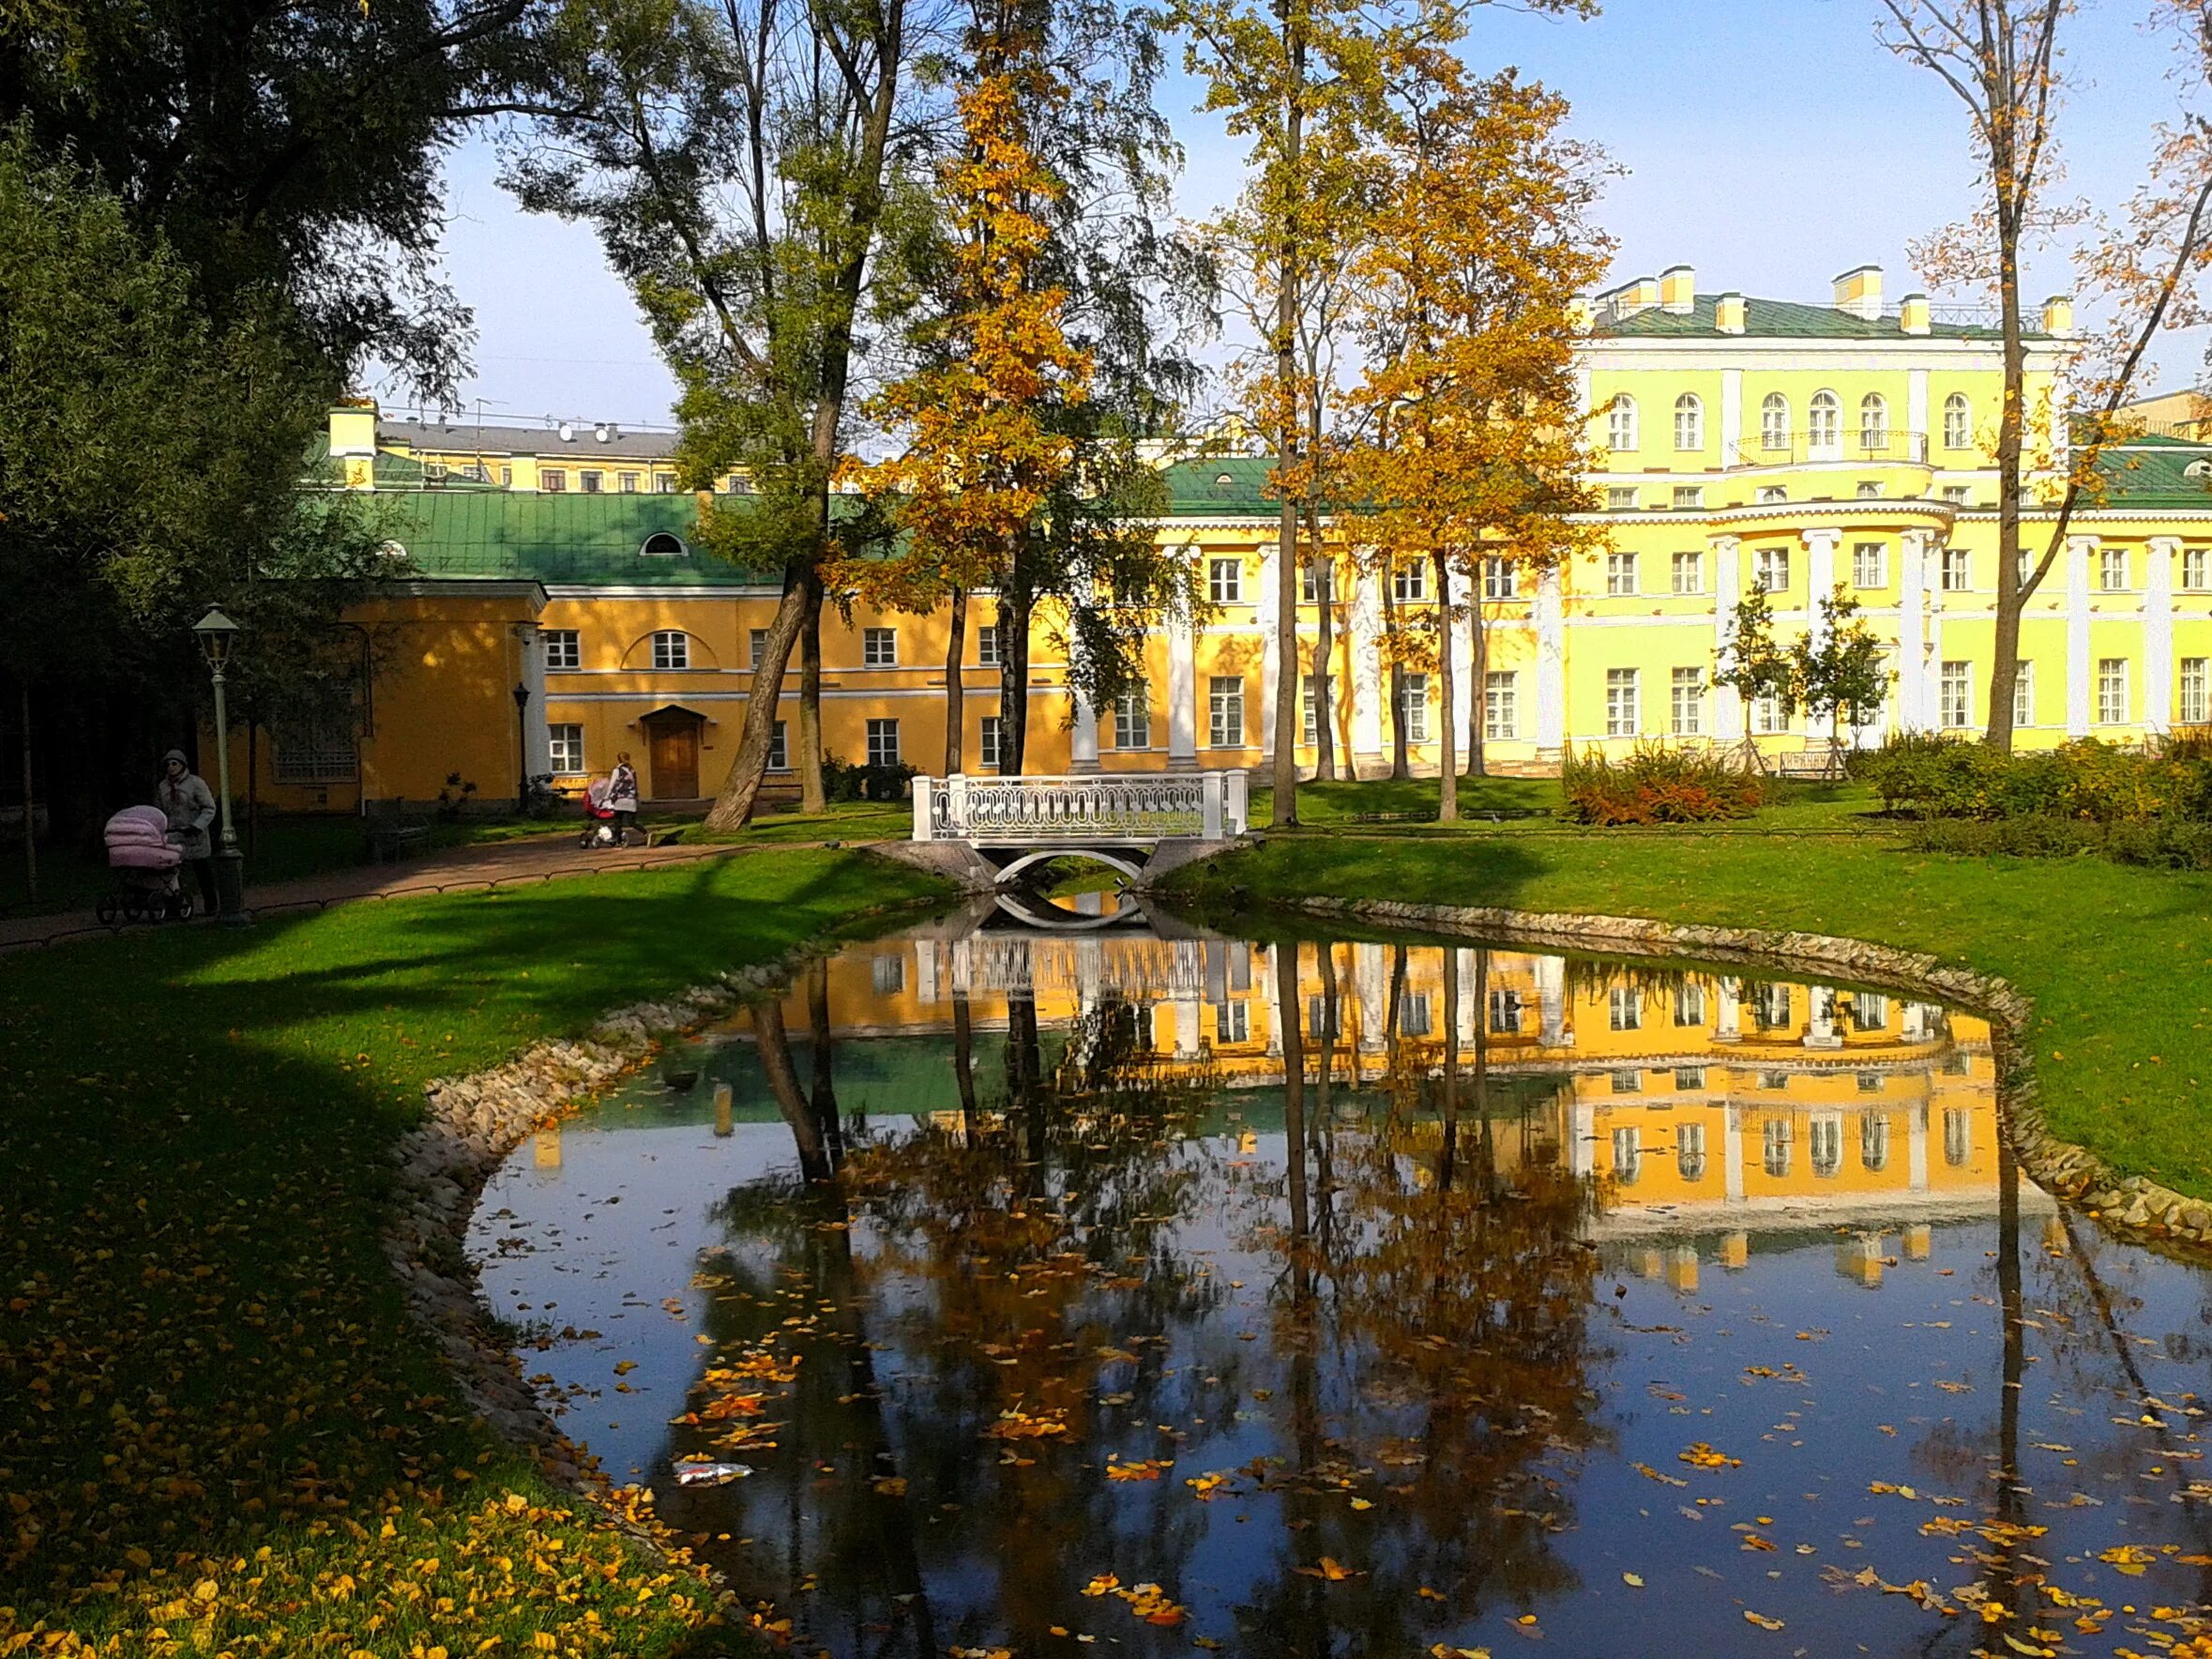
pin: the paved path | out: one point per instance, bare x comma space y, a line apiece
454, 870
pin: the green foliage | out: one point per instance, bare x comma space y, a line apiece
1846, 670
2164, 843
1931, 777
1752, 664
1657, 784
842, 782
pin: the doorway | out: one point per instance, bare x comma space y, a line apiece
672, 747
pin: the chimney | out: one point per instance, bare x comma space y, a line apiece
353, 441
2058, 314
1678, 290
1639, 293
1581, 312
1728, 313
1913, 316
1858, 293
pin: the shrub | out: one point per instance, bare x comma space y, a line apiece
1933, 777
1656, 785
2169, 843
842, 782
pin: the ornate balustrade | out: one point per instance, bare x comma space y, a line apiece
1080, 810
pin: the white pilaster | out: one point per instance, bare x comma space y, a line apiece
1728, 1026
1820, 575
1551, 688
1916, 1145
2079, 550
1917, 406
2157, 633
1465, 591
1367, 671
1731, 1156
1083, 737
1819, 1023
1182, 710
1551, 978
1912, 632
1368, 971
1185, 1025
1268, 608
1732, 415
537, 736
1728, 703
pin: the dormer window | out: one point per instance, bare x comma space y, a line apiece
663, 545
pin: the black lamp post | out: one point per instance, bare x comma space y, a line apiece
217, 632
522, 696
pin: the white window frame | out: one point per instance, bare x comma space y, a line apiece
1628, 1153
564, 650
627, 482
1824, 425
1132, 720
1409, 582
1958, 422
1769, 495
2112, 690
1224, 581
2112, 570
1869, 564
2024, 695
1224, 697
1232, 1021
1501, 579
879, 647
553, 480
1774, 421
1501, 708
665, 483
591, 481
1413, 709
756, 647
1874, 423
1314, 581
1954, 687
1769, 719
1957, 494
1622, 427
1620, 575
778, 749
1770, 569
2193, 707
883, 741
2196, 569
1690, 1147
1688, 573
1688, 497
1625, 1009
672, 650
1624, 713
1955, 570
564, 748
1690, 423
988, 640
1685, 703
987, 744
1620, 498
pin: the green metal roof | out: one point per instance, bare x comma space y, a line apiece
1228, 485
1779, 319
2150, 472
554, 538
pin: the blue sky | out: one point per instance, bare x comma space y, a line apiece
1768, 142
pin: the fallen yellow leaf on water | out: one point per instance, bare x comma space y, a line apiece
1632, 1581
1329, 1570
1703, 1456
1361, 1503
2020, 1647
625, 1367
1762, 1621
1428, 1594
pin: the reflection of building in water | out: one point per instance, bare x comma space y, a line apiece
1694, 1100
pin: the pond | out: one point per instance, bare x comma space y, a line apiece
1339, 1297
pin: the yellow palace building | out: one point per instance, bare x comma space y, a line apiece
546, 609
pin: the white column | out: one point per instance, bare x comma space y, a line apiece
537, 736
1182, 710
1912, 632
2078, 550
1551, 978
1917, 407
1732, 417
1186, 1024
1728, 703
1551, 688
1820, 574
1082, 739
2157, 633
1931, 661
1820, 1025
1366, 671
1368, 971
1731, 1156
1582, 1157
1916, 1145
1729, 1024
1267, 610
1465, 590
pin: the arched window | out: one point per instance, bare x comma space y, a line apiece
1874, 423
1690, 423
1824, 422
1828, 1146
1958, 422
662, 544
1689, 1150
1774, 422
1873, 1142
1621, 424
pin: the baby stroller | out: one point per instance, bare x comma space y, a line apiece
599, 828
144, 860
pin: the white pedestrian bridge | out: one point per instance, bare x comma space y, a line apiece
1121, 820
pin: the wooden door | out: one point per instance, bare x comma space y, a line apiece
675, 760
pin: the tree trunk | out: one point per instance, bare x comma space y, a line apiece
1448, 760
955, 684
2005, 666
775, 1051
1448, 1154
30, 806
811, 799
1293, 1117
1478, 692
1013, 684
733, 807
1288, 294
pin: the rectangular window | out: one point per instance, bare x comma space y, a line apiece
1957, 570
1770, 495
986, 644
2111, 569
1626, 1083
2196, 569
1955, 696
1501, 579
1225, 580
551, 477
1321, 1018
2196, 691
1955, 494
756, 645
888, 975
1690, 1004
1415, 1016
1620, 498
1233, 1022
1768, 716
988, 748
591, 480
1690, 1077
2023, 697
665, 483
1689, 496
1620, 703
671, 648
882, 742
561, 648
1132, 721
879, 647
1413, 711
1504, 1012
1626, 1008
1225, 712
1690, 572
1770, 569
1315, 582
1309, 708
1409, 582
1686, 706
627, 482
2112, 690
779, 751
1869, 565
1501, 713
506, 478
1620, 574
566, 749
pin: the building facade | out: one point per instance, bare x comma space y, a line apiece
549, 610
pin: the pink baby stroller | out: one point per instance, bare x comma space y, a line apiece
599, 828
144, 860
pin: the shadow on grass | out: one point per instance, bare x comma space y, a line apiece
205, 1353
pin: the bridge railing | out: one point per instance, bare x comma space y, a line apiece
1025, 811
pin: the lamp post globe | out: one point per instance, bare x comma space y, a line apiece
216, 633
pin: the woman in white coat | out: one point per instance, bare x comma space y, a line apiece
188, 804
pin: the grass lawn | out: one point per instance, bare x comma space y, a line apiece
2118, 959
1531, 805
216, 1420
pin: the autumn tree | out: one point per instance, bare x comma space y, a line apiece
1838, 667
2004, 60
1480, 245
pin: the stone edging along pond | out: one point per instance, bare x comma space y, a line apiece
2133, 1205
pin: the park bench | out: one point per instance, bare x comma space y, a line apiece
389, 843
1824, 766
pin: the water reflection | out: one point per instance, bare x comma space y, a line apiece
1343, 1298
